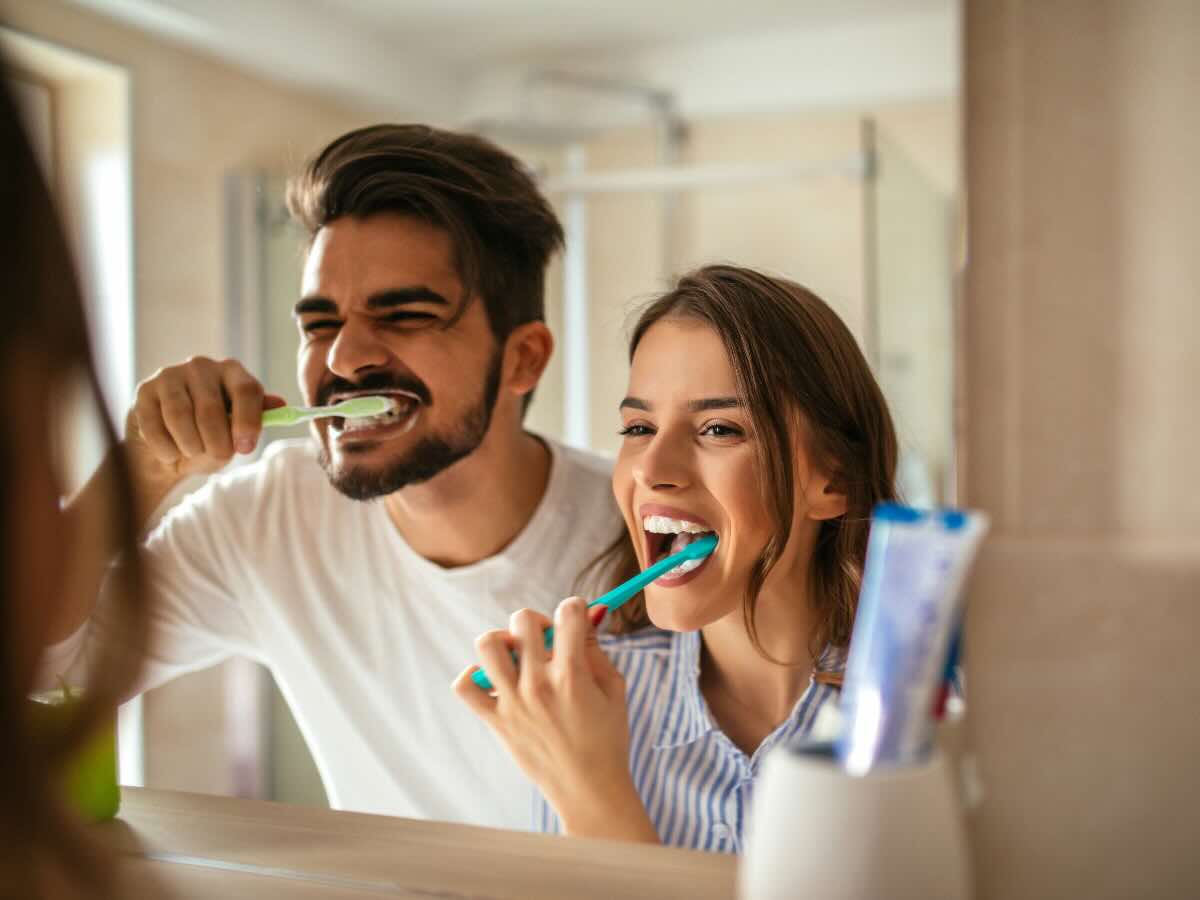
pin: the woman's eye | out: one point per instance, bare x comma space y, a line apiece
635, 430
720, 429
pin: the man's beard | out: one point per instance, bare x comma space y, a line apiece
430, 456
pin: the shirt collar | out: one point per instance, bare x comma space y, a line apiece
686, 718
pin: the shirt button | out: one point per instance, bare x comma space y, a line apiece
721, 831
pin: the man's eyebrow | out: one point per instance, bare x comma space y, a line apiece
383, 300
402, 296
634, 403
311, 305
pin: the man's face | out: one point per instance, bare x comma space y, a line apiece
377, 301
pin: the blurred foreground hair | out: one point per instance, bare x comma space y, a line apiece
44, 851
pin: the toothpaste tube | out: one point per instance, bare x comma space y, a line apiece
909, 606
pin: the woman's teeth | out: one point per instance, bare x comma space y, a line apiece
684, 533
665, 525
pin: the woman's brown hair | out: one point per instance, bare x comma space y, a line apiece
42, 848
803, 378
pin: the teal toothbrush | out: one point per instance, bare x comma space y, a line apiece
622, 594
354, 408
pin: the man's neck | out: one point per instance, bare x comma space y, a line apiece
475, 509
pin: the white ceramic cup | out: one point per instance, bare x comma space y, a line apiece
815, 831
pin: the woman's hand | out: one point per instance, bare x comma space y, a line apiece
563, 718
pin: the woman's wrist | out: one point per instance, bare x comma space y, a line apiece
615, 813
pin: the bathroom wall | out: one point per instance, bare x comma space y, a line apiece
1082, 423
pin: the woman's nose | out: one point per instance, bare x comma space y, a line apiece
663, 465
355, 349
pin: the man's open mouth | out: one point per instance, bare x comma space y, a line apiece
397, 420
665, 535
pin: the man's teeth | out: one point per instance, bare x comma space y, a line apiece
665, 525
397, 413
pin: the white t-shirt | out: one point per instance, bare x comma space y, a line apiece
362, 635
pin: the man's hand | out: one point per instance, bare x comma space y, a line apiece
191, 419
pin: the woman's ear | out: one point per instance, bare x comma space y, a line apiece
527, 353
825, 497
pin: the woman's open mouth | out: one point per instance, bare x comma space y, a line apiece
665, 535
398, 420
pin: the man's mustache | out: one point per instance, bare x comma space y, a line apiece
376, 381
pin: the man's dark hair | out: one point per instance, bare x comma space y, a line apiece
503, 230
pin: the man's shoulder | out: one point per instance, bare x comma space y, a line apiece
583, 489
291, 455
584, 463
287, 469
292, 461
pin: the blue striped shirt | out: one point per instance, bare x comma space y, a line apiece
695, 783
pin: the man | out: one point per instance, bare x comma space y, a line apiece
423, 282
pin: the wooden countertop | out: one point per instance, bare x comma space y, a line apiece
196, 846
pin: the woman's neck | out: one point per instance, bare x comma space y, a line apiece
750, 695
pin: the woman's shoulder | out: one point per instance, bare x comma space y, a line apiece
648, 645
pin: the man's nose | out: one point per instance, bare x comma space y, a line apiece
356, 349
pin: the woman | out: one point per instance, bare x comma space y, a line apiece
751, 414
44, 355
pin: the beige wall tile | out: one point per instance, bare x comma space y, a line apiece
1082, 422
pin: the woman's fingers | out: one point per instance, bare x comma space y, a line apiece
495, 656
481, 702
572, 632
529, 630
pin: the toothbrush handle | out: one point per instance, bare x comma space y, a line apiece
615, 598
284, 415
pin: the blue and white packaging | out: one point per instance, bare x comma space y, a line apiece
909, 606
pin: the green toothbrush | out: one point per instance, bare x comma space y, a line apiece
622, 594
354, 408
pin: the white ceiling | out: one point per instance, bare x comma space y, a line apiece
474, 33
450, 61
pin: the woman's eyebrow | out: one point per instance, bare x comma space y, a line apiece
714, 403
708, 403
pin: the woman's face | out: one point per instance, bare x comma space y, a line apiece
688, 464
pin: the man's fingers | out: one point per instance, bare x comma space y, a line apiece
179, 417
153, 429
246, 405
211, 414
